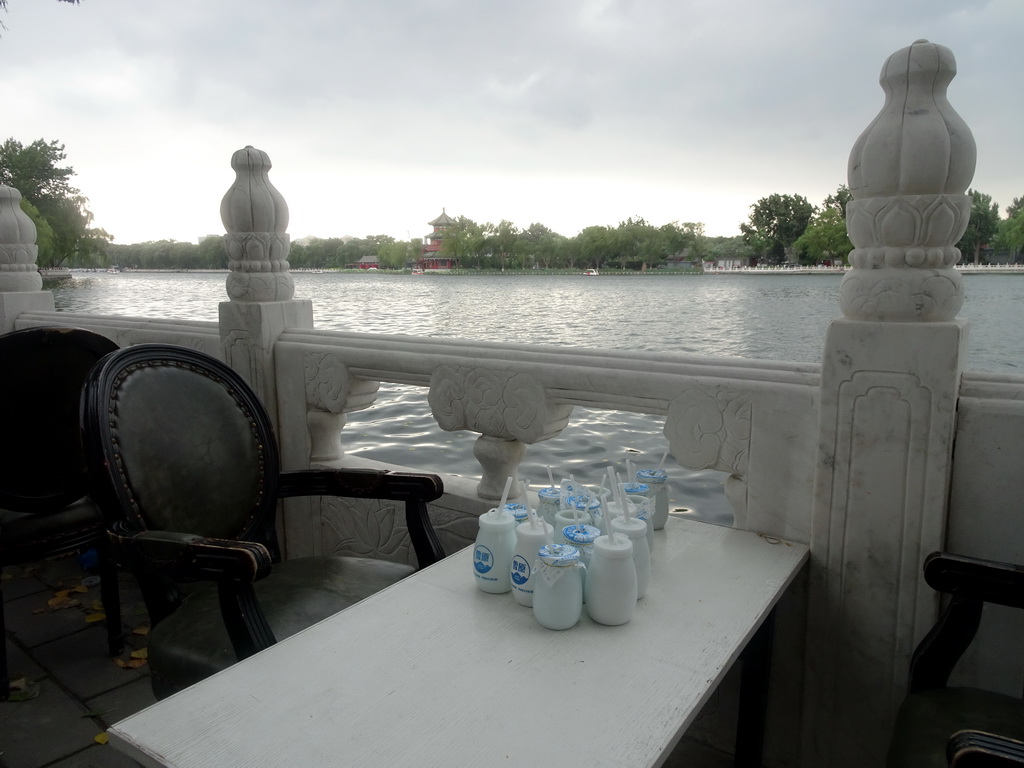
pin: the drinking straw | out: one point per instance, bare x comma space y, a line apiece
663, 457
551, 477
630, 473
529, 510
504, 495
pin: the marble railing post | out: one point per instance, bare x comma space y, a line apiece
259, 285
20, 282
890, 379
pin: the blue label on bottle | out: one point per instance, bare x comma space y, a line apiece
520, 570
483, 560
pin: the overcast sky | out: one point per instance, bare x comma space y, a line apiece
378, 114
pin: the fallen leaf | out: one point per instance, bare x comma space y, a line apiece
142, 653
91, 617
23, 690
80, 588
62, 592
143, 630
97, 605
101, 738
131, 664
56, 603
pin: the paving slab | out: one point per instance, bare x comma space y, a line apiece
18, 581
32, 622
49, 727
122, 702
97, 756
20, 664
81, 663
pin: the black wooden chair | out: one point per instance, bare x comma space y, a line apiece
939, 725
44, 511
186, 470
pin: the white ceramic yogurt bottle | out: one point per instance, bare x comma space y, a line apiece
549, 501
610, 591
636, 530
492, 553
529, 539
558, 586
656, 479
582, 537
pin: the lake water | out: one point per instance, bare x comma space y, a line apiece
753, 316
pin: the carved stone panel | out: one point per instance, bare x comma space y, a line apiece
501, 404
708, 427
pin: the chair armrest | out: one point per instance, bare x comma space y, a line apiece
414, 488
361, 483
234, 565
985, 580
971, 582
977, 749
187, 557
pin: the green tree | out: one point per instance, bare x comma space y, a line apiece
463, 242
983, 226
825, 238
839, 200
212, 254
1010, 235
687, 240
1015, 207
501, 240
597, 245
730, 249
775, 224
35, 170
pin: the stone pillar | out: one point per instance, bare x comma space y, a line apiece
20, 282
259, 285
890, 380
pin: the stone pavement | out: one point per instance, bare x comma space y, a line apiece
81, 690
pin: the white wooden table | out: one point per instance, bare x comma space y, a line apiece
434, 672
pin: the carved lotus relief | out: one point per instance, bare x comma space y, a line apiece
708, 427
357, 529
502, 404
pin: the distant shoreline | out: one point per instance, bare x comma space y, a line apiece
965, 269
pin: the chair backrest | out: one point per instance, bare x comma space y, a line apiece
177, 441
42, 370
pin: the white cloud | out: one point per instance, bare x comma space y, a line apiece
376, 114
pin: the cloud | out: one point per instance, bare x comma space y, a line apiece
376, 115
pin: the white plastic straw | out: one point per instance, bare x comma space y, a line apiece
663, 457
504, 495
551, 477
529, 510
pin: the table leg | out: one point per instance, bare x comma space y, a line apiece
753, 705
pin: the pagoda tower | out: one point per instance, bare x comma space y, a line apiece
430, 257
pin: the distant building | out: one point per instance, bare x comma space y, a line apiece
366, 262
430, 256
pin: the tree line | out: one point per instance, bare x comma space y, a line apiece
781, 228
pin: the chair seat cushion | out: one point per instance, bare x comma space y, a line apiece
37, 534
192, 643
927, 719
